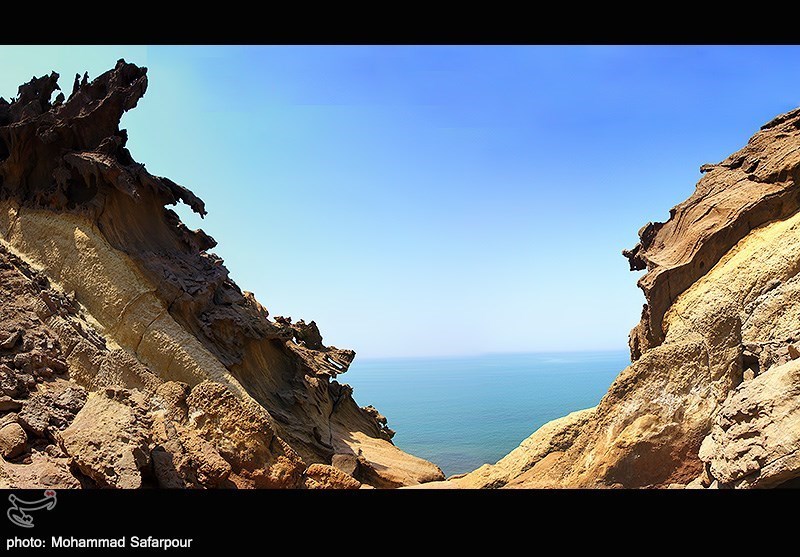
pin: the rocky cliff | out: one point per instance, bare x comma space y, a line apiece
128, 357
712, 396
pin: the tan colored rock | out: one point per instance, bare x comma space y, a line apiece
108, 439
695, 484
439, 484
347, 463
545, 474
171, 396
217, 415
724, 305
383, 465
13, 440
42, 471
755, 439
748, 189
322, 476
380, 463
181, 458
642, 433
122, 301
557, 435
243, 436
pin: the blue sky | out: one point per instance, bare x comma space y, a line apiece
445, 200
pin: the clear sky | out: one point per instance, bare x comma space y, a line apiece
444, 200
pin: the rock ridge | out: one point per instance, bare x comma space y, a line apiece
710, 399
129, 355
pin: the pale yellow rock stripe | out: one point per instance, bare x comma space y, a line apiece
75, 256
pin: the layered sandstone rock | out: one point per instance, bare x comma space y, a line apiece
128, 357
711, 396
551, 439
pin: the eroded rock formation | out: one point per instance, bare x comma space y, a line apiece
710, 399
128, 357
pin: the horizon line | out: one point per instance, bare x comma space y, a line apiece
493, 353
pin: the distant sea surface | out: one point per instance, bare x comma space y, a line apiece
460, 413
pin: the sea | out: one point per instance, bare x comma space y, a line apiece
463, 412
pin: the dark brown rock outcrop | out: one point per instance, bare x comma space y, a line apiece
107, 289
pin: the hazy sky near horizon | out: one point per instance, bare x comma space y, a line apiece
444, 200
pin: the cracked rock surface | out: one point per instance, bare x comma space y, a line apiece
755, 438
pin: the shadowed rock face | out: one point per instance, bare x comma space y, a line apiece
710, 399
128, 298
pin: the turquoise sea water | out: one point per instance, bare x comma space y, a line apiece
463, 412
